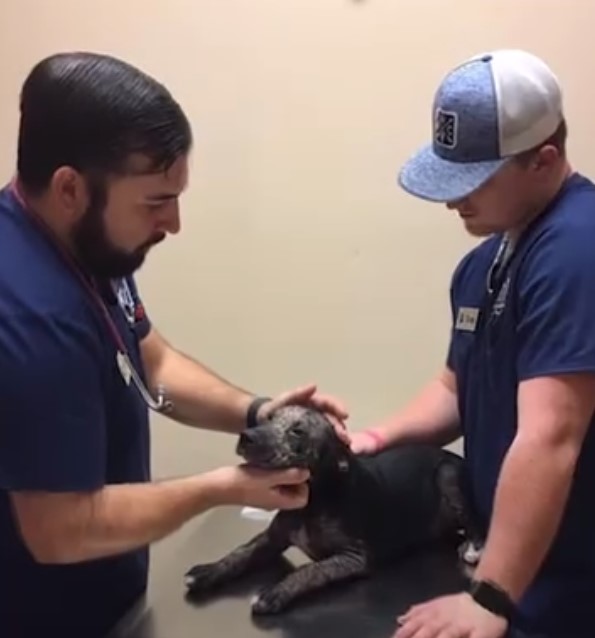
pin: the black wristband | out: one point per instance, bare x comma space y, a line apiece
493, 598
253, 410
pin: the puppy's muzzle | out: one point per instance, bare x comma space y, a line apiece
254, 447
247, 440
247, 443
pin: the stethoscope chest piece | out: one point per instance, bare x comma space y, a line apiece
161, 404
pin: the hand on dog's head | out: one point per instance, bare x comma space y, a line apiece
294, 436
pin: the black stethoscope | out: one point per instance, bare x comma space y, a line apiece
499, 272
159, 404
497, 285
499, 266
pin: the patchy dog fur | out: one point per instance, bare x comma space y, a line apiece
363, 511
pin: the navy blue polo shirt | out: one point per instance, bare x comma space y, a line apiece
68, 423
538, 320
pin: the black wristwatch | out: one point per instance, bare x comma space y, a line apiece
253, 408
493, 598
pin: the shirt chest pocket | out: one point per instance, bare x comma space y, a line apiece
462, 350
484, 358
497, 355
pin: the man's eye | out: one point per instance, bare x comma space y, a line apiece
156, 205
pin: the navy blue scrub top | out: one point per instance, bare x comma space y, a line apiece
68, 422
538, 320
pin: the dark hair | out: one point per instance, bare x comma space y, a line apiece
93, 112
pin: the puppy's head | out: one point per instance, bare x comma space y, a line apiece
293, 436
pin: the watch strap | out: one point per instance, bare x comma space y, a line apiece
255, 405
493, 598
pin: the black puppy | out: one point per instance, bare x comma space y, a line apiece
363, 511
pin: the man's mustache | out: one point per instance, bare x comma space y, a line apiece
152, 241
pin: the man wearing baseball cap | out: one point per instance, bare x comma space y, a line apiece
519, 380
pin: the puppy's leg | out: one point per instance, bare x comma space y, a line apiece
311, 577
457, 510
260, 550
470, 552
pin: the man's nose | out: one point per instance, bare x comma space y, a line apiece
170, 222
457, 204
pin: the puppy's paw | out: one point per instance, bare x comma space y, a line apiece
267, 602
470, 553
202, 578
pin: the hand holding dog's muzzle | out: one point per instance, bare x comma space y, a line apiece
288, 488
285, 489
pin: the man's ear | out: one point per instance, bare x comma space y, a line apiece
69, 192
545, 158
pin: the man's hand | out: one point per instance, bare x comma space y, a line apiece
308, 396
264, 489
455, 616
367, 442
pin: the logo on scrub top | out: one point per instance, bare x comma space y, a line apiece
126, 302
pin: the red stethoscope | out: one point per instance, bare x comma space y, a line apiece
161, 404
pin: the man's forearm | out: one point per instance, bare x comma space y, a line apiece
529, 503
116, 519
432, 416
200, 397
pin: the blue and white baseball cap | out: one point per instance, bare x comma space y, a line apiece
486, 110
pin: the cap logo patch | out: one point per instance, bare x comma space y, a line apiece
446, 128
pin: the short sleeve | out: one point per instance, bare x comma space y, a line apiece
52, 420
143, 322
556, 305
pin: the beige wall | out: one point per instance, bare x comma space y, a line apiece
307, 262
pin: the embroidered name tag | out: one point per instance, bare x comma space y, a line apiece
467, 319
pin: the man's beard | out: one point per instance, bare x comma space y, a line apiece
94, 250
